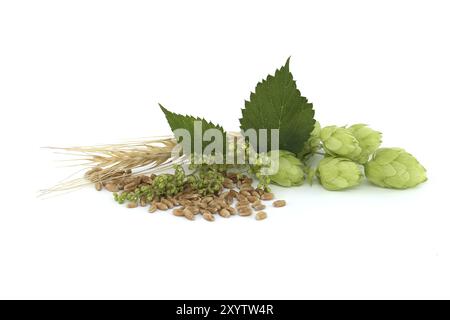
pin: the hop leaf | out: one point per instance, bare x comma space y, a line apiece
278, 104
369, 140
395, 168
338, 141
338, 173
178, 121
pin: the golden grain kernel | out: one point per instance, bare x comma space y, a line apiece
185, 202
190, 196
252, 199
167, 203
222, 203
178, 212
130, 186
243, 202
131, 205
261, 215
245, 193
279, 203
259, 207
246, 188
188, 214
207, 199
231, 210
143, 201
161, 206
174, 201
242, 205
244, 212
203, 205
129, 180
98, 186
256, 203
255, 194
224, 213
112, 187
260, 191
193, 209
267, 196
213, 209
152, 208
208, 216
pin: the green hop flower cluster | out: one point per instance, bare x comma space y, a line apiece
339, 141
338, 173
163, 185
395, 168
206, 182
290, 169
369, 140
143, 192
347, 149
169, 184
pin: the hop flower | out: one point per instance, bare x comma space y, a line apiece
290, 169
338, 173
369, 140
338, 141
395, 168
313, 143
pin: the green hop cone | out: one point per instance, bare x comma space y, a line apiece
395, 168
369, 140
290, 169
338, 141
338, 173
313, 143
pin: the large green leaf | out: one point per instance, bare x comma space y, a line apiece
178, 121
278, 104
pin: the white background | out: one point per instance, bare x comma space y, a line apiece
88, 72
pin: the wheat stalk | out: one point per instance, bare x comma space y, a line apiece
102, 163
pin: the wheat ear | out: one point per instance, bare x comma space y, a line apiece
102, 163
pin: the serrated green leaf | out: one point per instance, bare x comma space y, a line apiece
178, 121
278, 104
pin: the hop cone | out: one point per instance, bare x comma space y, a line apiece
338, 141
369, 140
290, 169
338, 173
313, 143
395, 168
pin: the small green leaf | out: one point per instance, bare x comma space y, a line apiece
178, 121
278, 104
